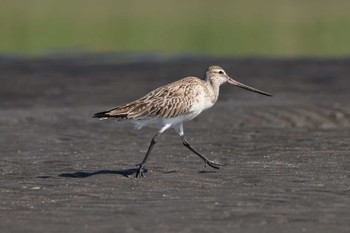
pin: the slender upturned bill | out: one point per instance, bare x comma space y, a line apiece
241, 85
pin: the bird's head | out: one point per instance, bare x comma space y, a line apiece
216, 76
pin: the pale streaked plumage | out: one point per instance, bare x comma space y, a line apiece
172, 104
169, 101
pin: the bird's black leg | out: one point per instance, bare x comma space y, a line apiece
179, 129
141, 168
206, 160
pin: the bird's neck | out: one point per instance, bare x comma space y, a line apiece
213, 90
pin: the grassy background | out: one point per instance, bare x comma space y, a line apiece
240, 27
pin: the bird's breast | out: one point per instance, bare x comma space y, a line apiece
201, 103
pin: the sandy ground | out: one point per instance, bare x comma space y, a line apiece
288, 157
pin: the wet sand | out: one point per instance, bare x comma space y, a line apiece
288, 157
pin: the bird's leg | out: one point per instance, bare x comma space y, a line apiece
141, 168
206, 160
180, 131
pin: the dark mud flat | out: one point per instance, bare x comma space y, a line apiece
288, 157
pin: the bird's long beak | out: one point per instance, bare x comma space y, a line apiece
241, 85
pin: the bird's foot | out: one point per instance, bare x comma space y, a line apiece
214, 164
140, 171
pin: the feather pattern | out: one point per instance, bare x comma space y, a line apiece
169, 101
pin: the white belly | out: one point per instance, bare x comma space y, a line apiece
159, 122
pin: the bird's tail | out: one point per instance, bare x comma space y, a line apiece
120, 113
104, 114
133, 110
110, 114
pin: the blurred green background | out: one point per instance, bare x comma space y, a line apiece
237, 28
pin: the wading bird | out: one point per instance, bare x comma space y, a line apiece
173, 104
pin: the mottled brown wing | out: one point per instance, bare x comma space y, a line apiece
168, 101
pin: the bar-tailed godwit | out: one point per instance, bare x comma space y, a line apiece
172, 104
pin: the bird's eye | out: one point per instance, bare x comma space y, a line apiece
221, 72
